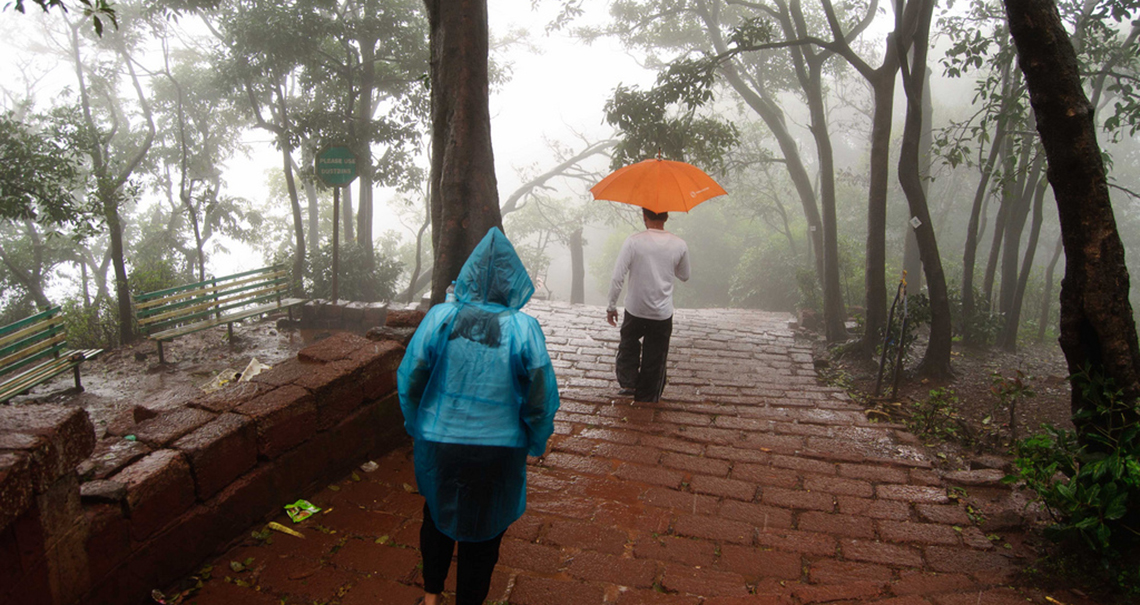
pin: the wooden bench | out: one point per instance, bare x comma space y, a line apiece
39, 341
167, 314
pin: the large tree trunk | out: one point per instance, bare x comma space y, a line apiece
936, 361
1098, 331
462, 188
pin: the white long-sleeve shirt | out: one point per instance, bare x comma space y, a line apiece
653, 258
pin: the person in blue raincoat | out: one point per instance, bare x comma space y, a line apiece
478, 394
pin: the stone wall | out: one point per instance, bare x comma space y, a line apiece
107, 522
321, 314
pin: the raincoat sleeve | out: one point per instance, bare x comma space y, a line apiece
541, 399
415, 369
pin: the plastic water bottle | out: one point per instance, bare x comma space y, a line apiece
450, 293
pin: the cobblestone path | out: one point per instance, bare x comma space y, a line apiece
749, 483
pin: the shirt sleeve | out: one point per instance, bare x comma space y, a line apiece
682, 268
621, 267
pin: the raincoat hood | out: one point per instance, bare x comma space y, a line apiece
494, 274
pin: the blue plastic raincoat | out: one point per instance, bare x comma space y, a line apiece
478, 393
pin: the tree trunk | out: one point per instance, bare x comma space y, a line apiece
577, 269
1047, 299
364, 148
1098, 331
1021, 201
347, 228
414, 279
834, 311
773, 117
936, 360
874, 269
969, 254
298, 222
308, 158
1008, 338
462, 186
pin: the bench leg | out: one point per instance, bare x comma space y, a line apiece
230, 332
161, 359
78, 385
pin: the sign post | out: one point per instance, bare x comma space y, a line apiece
336, 167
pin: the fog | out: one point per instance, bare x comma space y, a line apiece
752, 248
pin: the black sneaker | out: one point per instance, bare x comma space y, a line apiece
626, 392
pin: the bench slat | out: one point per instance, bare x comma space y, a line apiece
146, 296
221, 304
220, 285
5, 331
10, 340
225, 319
32, 353
43, 372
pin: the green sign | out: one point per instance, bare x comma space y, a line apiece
336, 166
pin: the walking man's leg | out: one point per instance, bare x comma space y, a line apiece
654, 354
628, 363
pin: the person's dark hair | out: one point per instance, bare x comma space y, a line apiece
654, 216
476, 325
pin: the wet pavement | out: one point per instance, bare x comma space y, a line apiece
749, 483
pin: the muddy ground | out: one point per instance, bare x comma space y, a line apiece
982, 423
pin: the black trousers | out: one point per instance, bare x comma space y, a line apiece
641, 355
476, 563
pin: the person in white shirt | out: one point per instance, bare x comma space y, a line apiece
653, 259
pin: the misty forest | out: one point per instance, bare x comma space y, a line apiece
877, 156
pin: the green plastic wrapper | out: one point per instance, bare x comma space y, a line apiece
301, 510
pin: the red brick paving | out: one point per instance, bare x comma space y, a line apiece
749, 484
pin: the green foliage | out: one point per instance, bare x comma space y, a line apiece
760, 279
96, 10
357, 282
1091, 487
152, 273
91, 326
1009, 392
37, 171
936, 416
665, 120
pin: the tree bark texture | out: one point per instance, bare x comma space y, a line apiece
936, 360
463, 189
1098, 332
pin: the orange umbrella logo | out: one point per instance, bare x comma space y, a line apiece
658, 185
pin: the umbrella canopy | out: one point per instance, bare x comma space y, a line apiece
658, 185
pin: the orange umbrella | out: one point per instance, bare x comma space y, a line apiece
658, 185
